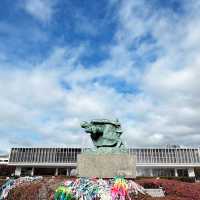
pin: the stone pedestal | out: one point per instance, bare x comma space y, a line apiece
106, 165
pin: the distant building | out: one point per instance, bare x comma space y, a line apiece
169, 161
5, 169
4, 159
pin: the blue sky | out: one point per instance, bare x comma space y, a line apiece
62, 62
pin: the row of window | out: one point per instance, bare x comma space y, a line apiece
65, 155
176, 155
44, 155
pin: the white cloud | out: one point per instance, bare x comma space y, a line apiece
54, 96
42, 10
170, 83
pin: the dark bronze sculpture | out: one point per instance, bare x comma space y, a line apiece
110, 157
104, 133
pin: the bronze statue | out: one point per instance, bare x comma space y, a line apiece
104, 133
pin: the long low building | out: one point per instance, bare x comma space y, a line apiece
150, 161
4, 159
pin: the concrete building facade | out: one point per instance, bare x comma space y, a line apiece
150, 161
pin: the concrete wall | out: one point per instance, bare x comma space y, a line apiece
106, 165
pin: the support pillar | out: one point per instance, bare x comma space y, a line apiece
67, 171
18, 171
56, 172
151, 172
32, 171
191, 172
176, 172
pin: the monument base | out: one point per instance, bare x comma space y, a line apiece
106, 165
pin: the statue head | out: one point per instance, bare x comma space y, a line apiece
86, 126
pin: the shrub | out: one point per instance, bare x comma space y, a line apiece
25, 192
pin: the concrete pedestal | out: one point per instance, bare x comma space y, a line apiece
106, 165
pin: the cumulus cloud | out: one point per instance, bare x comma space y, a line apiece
155, 54
170, 80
